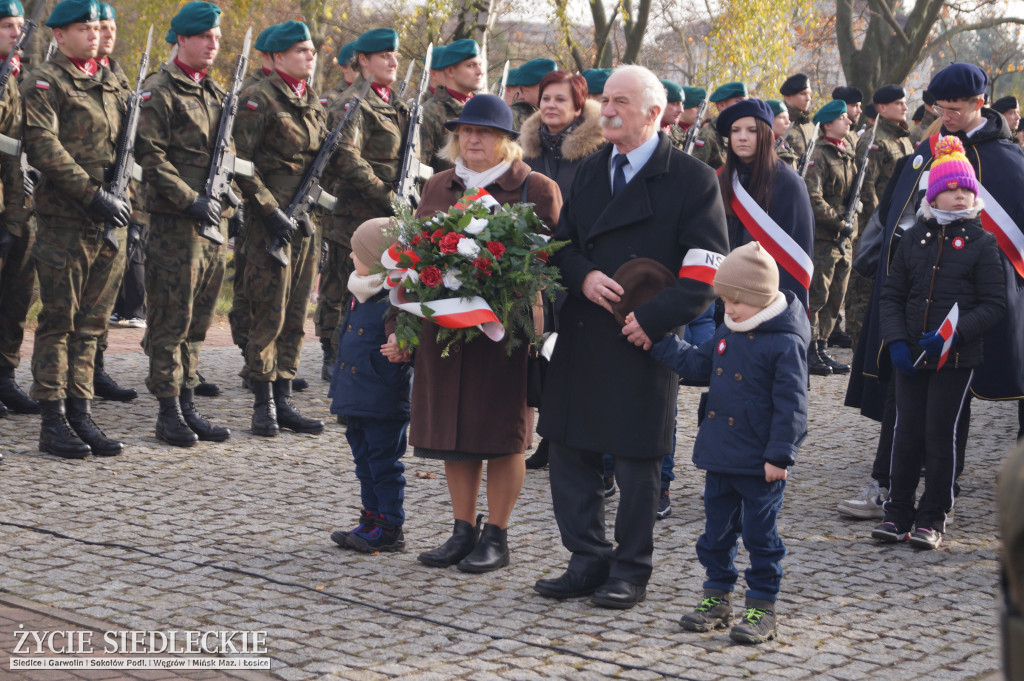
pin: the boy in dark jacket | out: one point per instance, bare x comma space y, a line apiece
754, 422
947, 258
373, 394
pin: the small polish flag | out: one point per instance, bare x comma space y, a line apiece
42, 85
252, 105
946, 330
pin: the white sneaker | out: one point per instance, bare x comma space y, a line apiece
136, 323
866, 505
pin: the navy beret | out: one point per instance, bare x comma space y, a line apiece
73, 12
918, 114
870, 112
748, 107
850, 95
693, 96
887, 94
532, 71
830, 111
452, 54
798, 82
107, 12
1004, 104
262, 39
192, 19
285, 35
596, 78
776, 106
728, 91
958, 80
929, 98
346, 53
673, 90
12, 9
377, 40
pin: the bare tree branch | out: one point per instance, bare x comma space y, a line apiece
886, 13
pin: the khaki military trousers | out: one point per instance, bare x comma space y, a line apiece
828, 284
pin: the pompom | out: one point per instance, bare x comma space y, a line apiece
948, 146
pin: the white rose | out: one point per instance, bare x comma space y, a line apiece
476, 226
451, 280
468, 248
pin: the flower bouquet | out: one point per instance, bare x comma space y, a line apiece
478, 268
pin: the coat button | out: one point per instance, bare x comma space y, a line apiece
349, 328
927, 233
342, 366
590, 247
732, 421
738, 376
353, 370
718, 371
711, 414
359, 332
750, 335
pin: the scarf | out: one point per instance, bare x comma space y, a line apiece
364, 287
551, 142
192, 73
297, 86
945, 217
774, 309
87, 66
472, 178
383, 91
839, 143
458, 96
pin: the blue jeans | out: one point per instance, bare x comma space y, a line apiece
746, 505
377, 447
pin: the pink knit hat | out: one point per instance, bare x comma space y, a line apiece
950, 169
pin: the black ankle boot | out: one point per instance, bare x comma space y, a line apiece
264, 411
55, 433
79, 415
831, 362
198, 423
299, 384
287, 415
491, 551
327, 368
815, 365
12, 396
539, 459
106, 387
205, 388
170, 424
459, 545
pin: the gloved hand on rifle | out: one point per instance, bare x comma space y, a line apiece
205, 210
31, 178
235, 222
280, 225
112, 209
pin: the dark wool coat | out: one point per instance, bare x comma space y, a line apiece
601, 392
474, 400
577, 145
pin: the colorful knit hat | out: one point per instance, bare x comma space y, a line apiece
950, 169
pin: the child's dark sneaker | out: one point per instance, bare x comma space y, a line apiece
366, 520
888, 532
713, 612
926, 538
757, 624
382, 536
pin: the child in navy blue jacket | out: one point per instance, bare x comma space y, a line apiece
373, 394
753, 424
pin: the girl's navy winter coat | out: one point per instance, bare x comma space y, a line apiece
365, 383
757, 401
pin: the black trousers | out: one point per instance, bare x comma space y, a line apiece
577, 495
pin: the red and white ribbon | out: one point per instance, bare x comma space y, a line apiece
453, 313
1008, 235
390, 259
477, 194
700, 265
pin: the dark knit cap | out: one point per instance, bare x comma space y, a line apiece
850, 95
798, 82
918, 114
749, 275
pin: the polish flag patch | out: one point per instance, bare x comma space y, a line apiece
146, 95
699, 143
700, 265
42, 85
252, 105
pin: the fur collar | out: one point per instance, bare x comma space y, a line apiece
581, 142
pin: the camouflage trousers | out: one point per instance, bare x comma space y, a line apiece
184, 273
828, 284
17, 281
858, 296
78, 280
333, 290
278, 304
239, 318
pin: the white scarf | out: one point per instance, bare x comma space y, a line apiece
364, 287
774, 309
944, 217
472, 178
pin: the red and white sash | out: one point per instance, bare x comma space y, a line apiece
786, 251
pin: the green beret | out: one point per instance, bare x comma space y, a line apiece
673, 90
345, 54
12, 9
192, 19
452, 54
532, 71
596, 78
776, 106
728, 91
261, 40
435, 57
73, 12
693, 96
830, 111
377, 40
107, 12
285, 35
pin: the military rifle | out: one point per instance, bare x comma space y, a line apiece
503, 82
225, 164
312, 75
411, 170
805, 160
691, 134
405, 83
858, 183
310, 194
51, 50
124, 164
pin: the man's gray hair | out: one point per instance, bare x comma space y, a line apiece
652, 91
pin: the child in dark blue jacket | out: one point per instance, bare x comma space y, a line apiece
373, 394
753, 424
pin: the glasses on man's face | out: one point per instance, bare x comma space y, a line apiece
953, 112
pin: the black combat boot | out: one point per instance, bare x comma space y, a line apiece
459, 545
539, 459
3, 411
205, 388
106, 387
79, 415
287, 415
491, 551
299, 384
831, 362
815, 365
198, 423
264, 411
327, 369
55, 433
12, 396
170, 424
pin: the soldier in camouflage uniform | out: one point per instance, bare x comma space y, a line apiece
73, 112
796, 95
673, 109
178, 127
710, 146
348, 75
780, 126
527, 80
854, 99
828, 182
464, 75
692, 99
17, 230
280, 128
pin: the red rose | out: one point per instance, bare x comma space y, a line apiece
496, 248
431, 276
450, 243
483, 265
418, 238
436, 236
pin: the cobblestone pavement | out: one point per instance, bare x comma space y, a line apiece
234, 536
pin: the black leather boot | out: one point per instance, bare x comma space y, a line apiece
205, 388
287, 415
327, 368
3, 410
831, 362
170, 424
491, 551
106, 387
55, 433
79, 415
539, 459
815, 365
264, 411
459, 545
198, 423
299, 384
12, 396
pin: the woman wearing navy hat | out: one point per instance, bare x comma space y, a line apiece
470, 406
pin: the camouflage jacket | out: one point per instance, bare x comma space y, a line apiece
521, 111
281, 134
439, 108
253, 78
178, 127
122, 77
917, 134
784, 153
364, 169
677, 136
709, 145
800, 131
328, 97
72, 122
12, 181
892, 142
830, 176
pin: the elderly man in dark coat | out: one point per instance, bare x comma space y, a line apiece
637, 198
